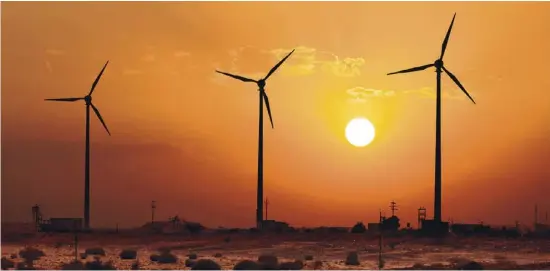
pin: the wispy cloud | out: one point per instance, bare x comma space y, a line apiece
55, 52
361, 94
149, 58
179, 54
48, 66
307, 60
132, 72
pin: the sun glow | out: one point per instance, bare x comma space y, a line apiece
360, 132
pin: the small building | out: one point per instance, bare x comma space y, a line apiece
272, 225
62, 225
433, 227
539, 227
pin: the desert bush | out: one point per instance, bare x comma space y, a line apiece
74, 265
83, 256
206, 264
135, 266
194, 227
164, 258
128, 254
352, 258
7, 263
470, 265
98, 265
13, 256
247, 265
192, 256
295, 265
154, 257
95, 251
30, 255
359, 228
308, 257
268, 262
318, 265
190, 262
218, 255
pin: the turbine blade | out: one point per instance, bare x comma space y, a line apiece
64, 99
278, 64
444, 45
97, 78
415, 69
268, 108
244, 79
459, 84
100, 118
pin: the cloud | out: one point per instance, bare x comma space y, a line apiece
55, 52
148, 58
361, 94
131, 72
48, 66
307, 60
179, 54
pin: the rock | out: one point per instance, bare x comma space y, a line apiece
95, 251
247, 265
206, 264
128, 254
190, 263
352, 259
296, 265
268, 262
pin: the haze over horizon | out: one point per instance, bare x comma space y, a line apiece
186, 136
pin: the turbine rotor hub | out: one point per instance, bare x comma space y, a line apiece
261, 83
438, 64
88, 99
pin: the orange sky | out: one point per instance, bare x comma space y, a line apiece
187, 137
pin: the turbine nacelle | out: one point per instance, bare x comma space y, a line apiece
438, 64
88, 99
261, 83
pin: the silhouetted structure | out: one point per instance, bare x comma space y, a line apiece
61, 225
36, 217
276, 226
266, 204
393, 207
263, 97
438, 64
153, 207
359, 227
421, 216
88, 100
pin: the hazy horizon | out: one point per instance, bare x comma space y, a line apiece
186, 136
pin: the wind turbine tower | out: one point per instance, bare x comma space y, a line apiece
88, 101
262, 97
439, 68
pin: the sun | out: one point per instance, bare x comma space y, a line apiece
360, 132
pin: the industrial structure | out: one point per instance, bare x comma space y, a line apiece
54, 224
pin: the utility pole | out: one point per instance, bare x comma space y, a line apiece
266, 202
393, 207
153, 207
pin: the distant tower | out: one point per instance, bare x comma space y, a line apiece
393, 207
421, 215
36, 216
153, 207
266, 202
536, 214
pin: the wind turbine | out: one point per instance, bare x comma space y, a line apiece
88, 100
439, 67
263, 97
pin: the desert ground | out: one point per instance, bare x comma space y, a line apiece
315, 250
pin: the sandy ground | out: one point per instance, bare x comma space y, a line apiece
331, 249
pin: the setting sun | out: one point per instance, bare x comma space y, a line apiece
360, 132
